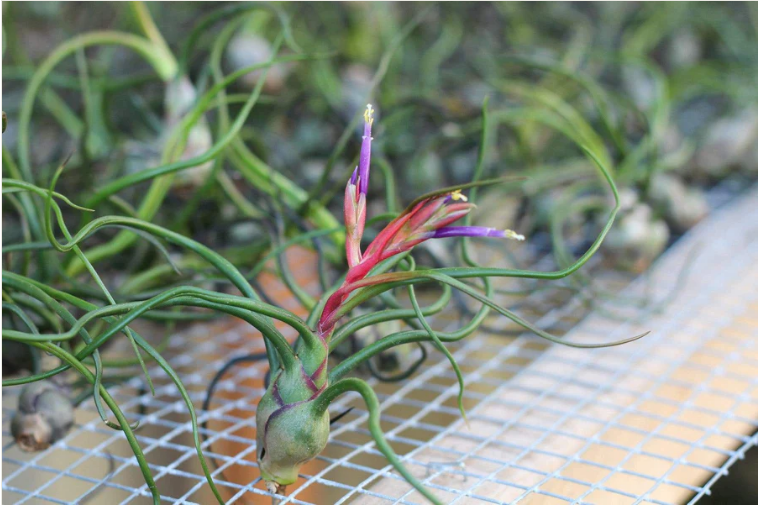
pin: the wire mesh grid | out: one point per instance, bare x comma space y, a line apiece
656, 421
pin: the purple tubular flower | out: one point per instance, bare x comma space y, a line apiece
365, 158
475, 231
354, 177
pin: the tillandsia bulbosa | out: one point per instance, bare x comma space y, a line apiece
292, 417
44, 416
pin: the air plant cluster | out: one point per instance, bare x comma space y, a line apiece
687, 119
292, 418
293, 415
44, 416
193, 200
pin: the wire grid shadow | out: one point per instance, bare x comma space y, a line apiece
655, 421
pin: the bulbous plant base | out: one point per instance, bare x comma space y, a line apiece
32, 432
288, 436
44, 416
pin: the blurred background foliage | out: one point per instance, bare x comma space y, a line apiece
665, 92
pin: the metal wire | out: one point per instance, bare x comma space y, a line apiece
656, 421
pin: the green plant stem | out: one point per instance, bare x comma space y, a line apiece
222, 264
440, 347
37, 293
204, 25
128, 432
76, 363
143, 47
357, 323
254, 170
374, 426
25, 232
272, 182
187, 295
151, 31
320, 188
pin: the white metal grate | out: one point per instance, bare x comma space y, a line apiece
656, 421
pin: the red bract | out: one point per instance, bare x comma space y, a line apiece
429, 218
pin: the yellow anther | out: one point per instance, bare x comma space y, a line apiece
512, 234
457, 195
368, 116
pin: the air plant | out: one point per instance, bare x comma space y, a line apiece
682, 206
44, 416
71, 322
674, 81
179, 98
292, 416
248, 48
638, 237
729, 142
300, 396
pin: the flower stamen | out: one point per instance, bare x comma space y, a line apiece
457, 195
512, 234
